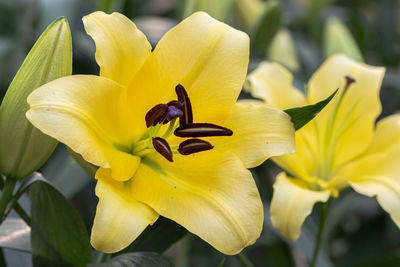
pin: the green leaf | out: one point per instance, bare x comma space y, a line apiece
387, 260
58, 234
137, 259
221, 263
158, 237
267, 26
302, 115
23, 148
338, 40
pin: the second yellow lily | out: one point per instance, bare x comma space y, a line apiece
340, 148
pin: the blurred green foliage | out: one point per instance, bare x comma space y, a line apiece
358, 232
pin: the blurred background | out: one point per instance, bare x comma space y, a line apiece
300, 34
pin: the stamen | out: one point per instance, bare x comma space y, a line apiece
202, 130
156, 115
182, 109
187, 106
191, 146
176, 104
162, 147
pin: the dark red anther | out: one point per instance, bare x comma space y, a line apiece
191, 146
202, 130
176, 104
187, 106
162, 147
156, 115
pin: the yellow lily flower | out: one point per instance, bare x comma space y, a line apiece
166, 132
340, 148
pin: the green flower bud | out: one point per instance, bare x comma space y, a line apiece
250, 12
338, 39
283, 50
23, 148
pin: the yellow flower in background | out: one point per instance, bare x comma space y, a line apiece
166, 131
340, 148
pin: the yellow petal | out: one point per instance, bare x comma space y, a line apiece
378, 175
211, 194
386, 136
206, 56
121, 49
352, 130
385, 189
91, 116
273, 83
291, 203
379, 164
377, 171
304, 162
119, 217
259, 132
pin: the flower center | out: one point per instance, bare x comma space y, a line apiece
162, 114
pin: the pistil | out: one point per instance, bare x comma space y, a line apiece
329, 144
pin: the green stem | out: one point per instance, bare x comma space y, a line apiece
323, 208
22, 213
2, 258
244, 260
13, 202
104, 257
6, 196
106, 5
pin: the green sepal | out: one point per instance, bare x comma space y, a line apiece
23, 148
300, 116
339, 40
58, 233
